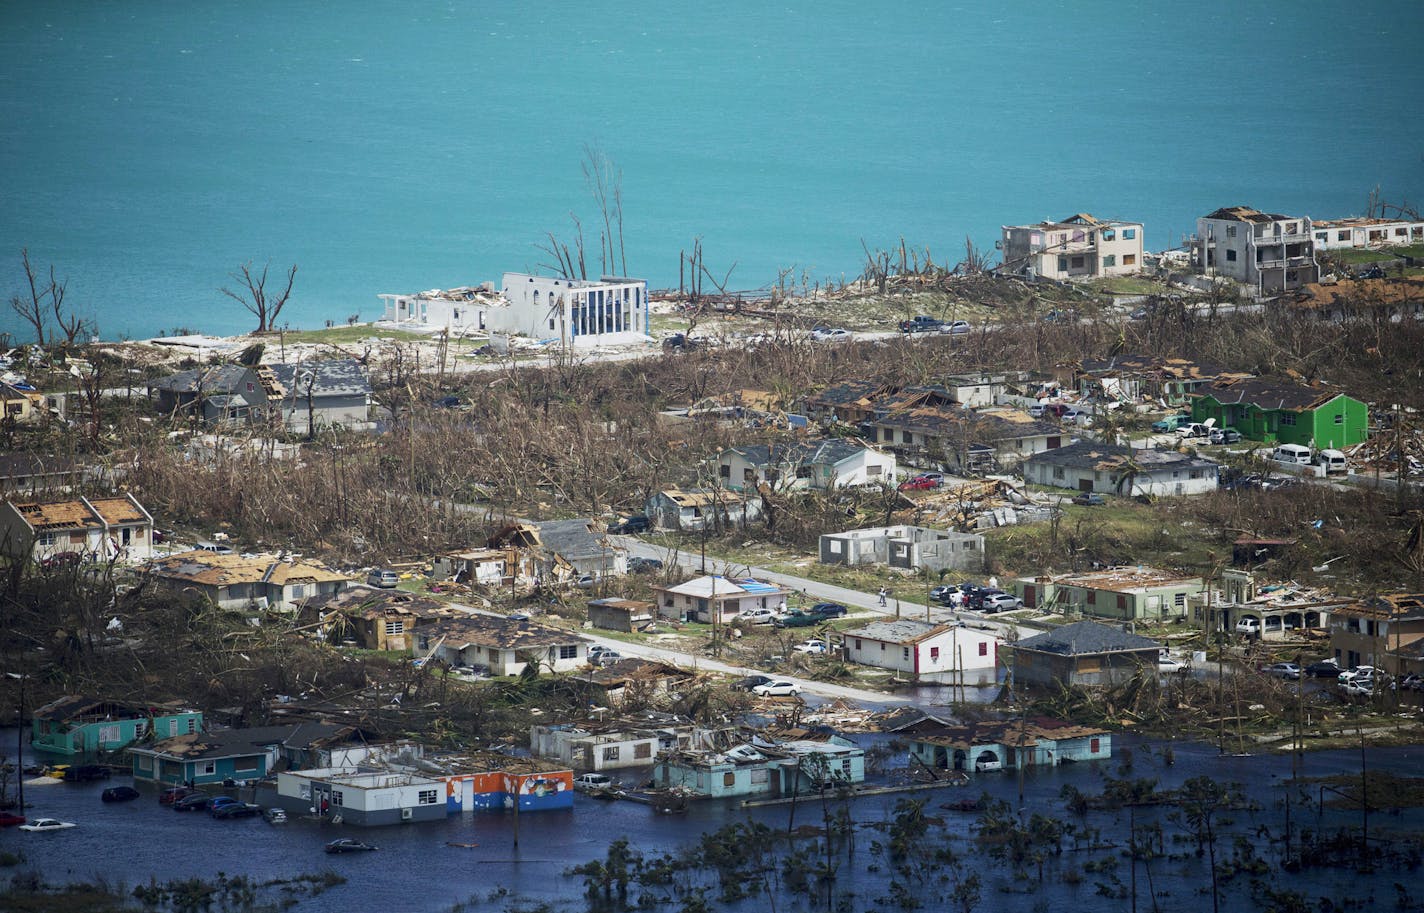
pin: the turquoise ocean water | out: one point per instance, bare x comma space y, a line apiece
148, 148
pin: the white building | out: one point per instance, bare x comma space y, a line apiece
364, 797
1078, 247
698, 599
905, 547
460, 311
925, 651
822, 464
580, 312
1267, 253
1347, 234
610, 747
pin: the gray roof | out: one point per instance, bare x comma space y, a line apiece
572, 539
1086, 637
217, 379
335, 377
829, 451
226, 743
897, 630
1100, 455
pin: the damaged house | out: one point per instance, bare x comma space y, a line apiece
1128, 471
821, 464
506, 646
905, 547
964, 441
1008, 745
702, 508
714, 596
371, 618
248, 581
297, 397
558, 551
762, 769
81, 726
1122, 593
1084, 653
97, 529
611, 745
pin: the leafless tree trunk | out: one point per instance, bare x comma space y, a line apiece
34, 310
253, 295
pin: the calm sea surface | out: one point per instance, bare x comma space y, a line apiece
148, 148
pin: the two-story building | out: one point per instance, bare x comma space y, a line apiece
578, 312
1267, 253
964, 440
1078, 247
1381, 631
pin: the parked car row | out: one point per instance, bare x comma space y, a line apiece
975, 597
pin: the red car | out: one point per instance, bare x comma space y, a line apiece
919, 483
173, 794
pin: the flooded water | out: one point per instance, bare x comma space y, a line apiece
417, 868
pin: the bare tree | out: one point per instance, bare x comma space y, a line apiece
254, 297
605, 182
44, 302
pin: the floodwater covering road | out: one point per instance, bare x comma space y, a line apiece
418, 869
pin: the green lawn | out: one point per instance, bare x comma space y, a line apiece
346, 335
1126, 285
1354, 256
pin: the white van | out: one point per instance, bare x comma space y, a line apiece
1333, 462
1292, 453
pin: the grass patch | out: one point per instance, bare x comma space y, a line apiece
353, 334
1360, 255
1126, 285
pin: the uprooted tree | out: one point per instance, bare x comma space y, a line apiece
254, 296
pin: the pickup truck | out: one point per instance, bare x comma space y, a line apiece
921, 324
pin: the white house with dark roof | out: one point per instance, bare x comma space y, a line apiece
1119, 470
924, 651
1083, 653
821, 463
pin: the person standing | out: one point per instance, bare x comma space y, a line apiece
883, 593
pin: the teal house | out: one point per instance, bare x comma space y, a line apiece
789, 768
227, 754
1276, 412
992, 745
83, 727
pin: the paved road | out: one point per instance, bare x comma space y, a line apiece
815, 591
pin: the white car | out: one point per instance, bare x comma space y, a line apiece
1357, 672
831, 334
957, 328
1169, 664
778, 688
758, 616
593, 781
47, 824
813, 647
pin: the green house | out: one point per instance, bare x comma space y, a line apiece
82, 727
1276, 412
